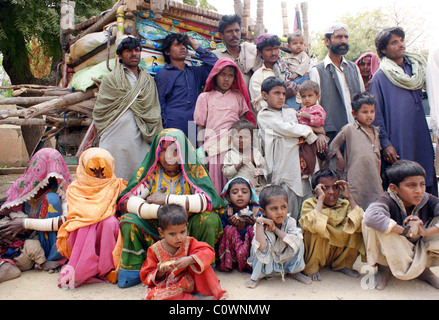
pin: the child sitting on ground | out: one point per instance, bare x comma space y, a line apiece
362, 159
238, 220
244, 159
280, 134
277, 246
178, 266
224, 101
331, 227
401, 229
313, 115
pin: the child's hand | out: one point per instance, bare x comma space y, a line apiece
238, 223
268, 223
157, 198
344, 188
319, 191
184, 262
167, 266
304, 114
341, 165
250, 220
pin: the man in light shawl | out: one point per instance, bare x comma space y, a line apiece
127, 112
397, 86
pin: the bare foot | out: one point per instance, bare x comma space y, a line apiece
48, 265
429, 277
200, 296
8, 271
381, 277
316, 276
301, 278
251, 284
349, 272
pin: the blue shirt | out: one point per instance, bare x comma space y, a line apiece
178, 90
401, 118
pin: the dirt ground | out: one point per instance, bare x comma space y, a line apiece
40, 285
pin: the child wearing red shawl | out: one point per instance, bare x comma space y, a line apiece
224, 101
178, 266
368, 63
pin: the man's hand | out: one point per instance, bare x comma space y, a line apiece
193, 43
390, 155
321, 143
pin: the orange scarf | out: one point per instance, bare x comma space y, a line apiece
90, 199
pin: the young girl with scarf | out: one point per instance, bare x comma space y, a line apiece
224, 101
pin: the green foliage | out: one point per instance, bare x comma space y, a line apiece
363, 28
24, 20
203, 4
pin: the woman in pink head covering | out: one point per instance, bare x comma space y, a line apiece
224, 101
32, 214
368, 63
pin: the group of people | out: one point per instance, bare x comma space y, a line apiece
275, 168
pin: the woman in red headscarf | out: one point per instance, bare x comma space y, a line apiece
224, 101
368, 63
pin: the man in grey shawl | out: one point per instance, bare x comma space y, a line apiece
127, 113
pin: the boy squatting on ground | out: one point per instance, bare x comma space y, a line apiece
331, 227
277, 246
401, 229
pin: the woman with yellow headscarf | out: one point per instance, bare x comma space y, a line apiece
89, 235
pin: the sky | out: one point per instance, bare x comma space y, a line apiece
321, 13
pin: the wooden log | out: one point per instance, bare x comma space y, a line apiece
49, 122
101, 22
61, 102
25, 101
40, 92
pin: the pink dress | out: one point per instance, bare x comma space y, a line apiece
307, 153
217, 112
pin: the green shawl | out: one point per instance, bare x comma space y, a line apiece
193, 171
399, 78
115, 96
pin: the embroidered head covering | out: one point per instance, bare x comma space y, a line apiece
238, 84
374, 62
47, 163
192, 169
254, 199
90, 199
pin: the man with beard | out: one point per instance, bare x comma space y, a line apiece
339, 80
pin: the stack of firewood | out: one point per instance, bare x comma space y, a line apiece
47, 106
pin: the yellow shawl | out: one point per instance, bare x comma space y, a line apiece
90, 199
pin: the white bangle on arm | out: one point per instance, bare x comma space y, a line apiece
141, 208
196, 202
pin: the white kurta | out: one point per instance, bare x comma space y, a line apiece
280, 133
